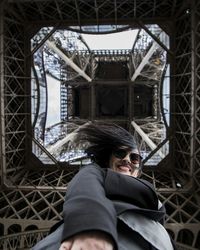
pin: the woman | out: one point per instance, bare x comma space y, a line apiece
106, 206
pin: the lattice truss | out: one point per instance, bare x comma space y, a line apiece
32, 200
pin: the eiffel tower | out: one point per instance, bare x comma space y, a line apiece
151, 89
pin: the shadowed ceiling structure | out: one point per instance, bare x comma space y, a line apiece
33, 178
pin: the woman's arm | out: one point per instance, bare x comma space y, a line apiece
86, 208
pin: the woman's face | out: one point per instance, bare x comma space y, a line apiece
126, 161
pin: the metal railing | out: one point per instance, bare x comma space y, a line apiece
23, 240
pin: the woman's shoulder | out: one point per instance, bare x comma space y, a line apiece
92, 168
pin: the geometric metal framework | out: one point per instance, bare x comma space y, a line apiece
31, 196
89, 88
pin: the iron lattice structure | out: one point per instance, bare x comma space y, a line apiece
31, 197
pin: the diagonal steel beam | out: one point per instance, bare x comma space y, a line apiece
155, 38
52, 46
145, 137
145, 61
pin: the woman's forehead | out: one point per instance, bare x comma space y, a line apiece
128, 149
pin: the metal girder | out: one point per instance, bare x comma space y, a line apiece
67, 60
97, 12
2, 101
146, 139
148, 44
144, 61
181, 112
195, 94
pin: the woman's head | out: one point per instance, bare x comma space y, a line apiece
103, 139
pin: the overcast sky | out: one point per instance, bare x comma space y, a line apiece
53, 112
122, 40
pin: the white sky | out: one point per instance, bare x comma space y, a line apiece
53, 112
120, 40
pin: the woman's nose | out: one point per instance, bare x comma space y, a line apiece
127, 158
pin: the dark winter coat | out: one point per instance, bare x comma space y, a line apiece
124, 207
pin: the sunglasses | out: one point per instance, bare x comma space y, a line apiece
121, 153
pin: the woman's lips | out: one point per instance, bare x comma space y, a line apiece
124, 168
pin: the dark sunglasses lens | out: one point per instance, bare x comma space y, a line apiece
120, 153
135, 157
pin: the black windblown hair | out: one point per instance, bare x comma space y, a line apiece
101, 139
